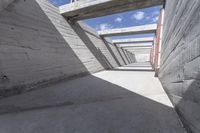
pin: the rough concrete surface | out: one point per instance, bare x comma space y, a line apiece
85, 9
180, 59
117, 101
38, 45
5, 3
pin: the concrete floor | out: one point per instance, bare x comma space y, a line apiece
117, 101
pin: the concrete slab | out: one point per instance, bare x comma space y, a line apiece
85, 9
142, 29
117, 101
136, 48
133, 40
135, 44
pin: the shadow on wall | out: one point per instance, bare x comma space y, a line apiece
90, 45
188, 106
125, 63
126, 55
37, 48
110, 50
33, 51
86, 105
105, 59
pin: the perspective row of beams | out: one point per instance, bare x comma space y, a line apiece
85, 9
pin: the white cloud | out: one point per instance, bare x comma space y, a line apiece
104, 26
155, 13
119, 19
147, 18
155, 19
138, 15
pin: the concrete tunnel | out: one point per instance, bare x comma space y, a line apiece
60, 75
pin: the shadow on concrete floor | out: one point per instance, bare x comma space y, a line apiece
92, 104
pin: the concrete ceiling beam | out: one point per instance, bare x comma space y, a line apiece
85, 9
135, 44
143, 29
133, 40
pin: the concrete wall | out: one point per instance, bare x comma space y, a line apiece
123, 55
142, 57
180, 59
5, 3
38, 45
114, 51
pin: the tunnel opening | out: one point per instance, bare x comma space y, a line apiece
93, 66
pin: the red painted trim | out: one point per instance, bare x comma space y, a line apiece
158, 34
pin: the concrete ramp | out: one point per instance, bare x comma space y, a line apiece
116, 101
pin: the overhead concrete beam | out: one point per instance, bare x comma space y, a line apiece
143, 29
140, 48
147, 44
85, 9
133, 40
136, 48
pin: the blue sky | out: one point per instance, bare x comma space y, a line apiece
59, 2
121, 20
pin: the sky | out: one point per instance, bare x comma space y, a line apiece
59, 2
121, 20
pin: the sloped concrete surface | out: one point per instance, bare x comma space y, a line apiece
105, 102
